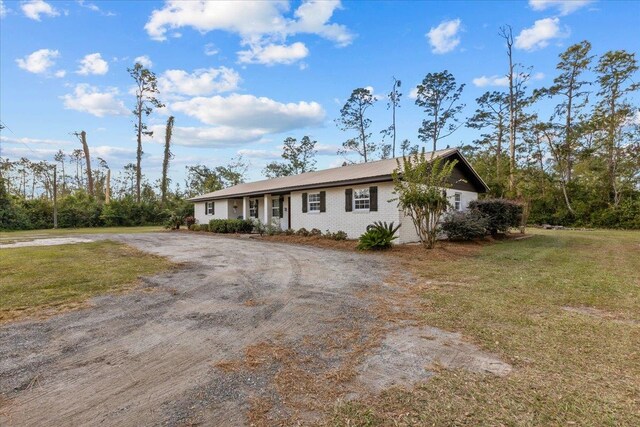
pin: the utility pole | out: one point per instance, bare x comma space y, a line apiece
55, 197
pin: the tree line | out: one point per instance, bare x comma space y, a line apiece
578, 165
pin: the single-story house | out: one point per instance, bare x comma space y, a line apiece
346, 198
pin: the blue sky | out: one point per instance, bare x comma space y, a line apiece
240, 77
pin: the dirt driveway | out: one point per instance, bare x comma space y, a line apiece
247, 332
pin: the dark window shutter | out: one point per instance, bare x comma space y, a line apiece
213, 208
373, 199
348, 200
304, 202
323, 201
281, 206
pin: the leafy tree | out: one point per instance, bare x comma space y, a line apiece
60, 157
164, 184
202, 179
615, 72
352, 118
439, 96
420, 183
299, 158
491, 117
146, 92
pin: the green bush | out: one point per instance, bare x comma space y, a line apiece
315, 232
466, 225
338, 235
501, 214
302, 232
378, 236
230, 226
289, 232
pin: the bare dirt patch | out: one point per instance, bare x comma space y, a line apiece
54, 241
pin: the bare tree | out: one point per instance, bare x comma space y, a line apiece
82, 137
164, 184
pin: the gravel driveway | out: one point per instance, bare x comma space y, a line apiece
150, 356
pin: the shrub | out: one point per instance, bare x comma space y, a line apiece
315, 232
203, 227
189, 220
465, 225
501, 214
378, 236
174, 222
338, 235
230, 226
289, 232
273, 227
302, 232
194, 227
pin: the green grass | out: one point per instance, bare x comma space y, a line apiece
511, 298
35, 279
51, 232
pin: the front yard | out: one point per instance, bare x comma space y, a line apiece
563, 307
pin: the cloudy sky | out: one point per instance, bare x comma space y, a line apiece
241, 76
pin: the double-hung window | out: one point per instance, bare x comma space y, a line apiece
457, 201
313, 201
275, 208
361, 199
253, 208
208, 208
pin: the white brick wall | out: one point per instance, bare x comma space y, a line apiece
335, 218
221, 210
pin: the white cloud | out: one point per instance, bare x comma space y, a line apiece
538, 76
251, 112
93, 64
89, 99
143, 60
413, 93
444, 38
94, 8
564, 7
262, 25
60, 73
3, 9
34, 8
216, 137
484, 81
39, 61
210, 49
538, 36
273, 54
33, 141
259, 154
199, 83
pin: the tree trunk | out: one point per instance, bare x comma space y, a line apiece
139, 151
165, 161
87, 158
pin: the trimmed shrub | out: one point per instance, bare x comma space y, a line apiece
338, 235
189, 220
315, 232
289, 232
466, 225
501, 214
378, 236
230, 226
302, 232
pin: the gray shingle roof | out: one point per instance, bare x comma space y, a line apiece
380, 170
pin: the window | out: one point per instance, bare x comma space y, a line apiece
208, 208
361, 199
275, 208
313, 201
457, 201
253, 208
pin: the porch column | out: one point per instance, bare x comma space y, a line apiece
267, 209
245, 207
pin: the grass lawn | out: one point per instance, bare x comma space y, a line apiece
21, 235
563, 307
35, 280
